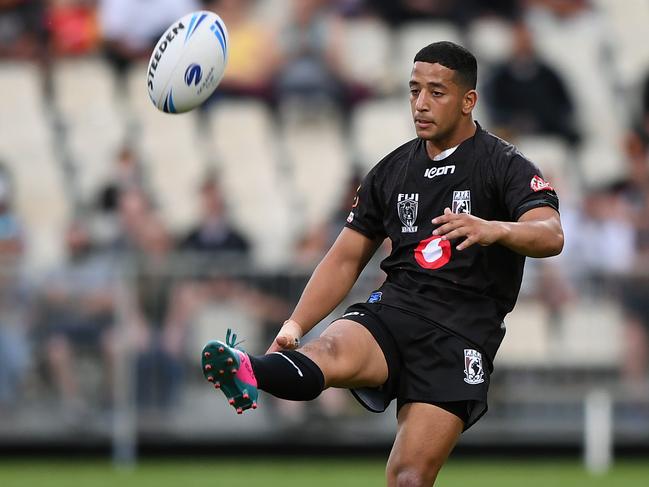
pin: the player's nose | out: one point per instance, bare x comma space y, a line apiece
421, 104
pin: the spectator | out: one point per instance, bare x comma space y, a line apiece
145, 248
22, 33
214, 234
13, 343
124, 44
159, 369
527, 96
216, 266
75, 310
634, 192
127, 173
72, 27
253, 51
315, 243
643, 129
311, 59
397, 12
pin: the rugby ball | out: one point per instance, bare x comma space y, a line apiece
188, 62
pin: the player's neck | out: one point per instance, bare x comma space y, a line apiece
465, 130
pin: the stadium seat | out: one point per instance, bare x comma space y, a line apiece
367, 54
550, 154
626, 25
85, 91
589, 335
411, 37
85, 95
172, 151
587, 75
601, 162
27, 149
40, 202
244, 145
490, 39
592, 334
24, 117
378, 127
318, 178
527, 341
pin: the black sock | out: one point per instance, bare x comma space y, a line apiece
288, 375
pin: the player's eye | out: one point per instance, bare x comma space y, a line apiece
414, 92
437, 93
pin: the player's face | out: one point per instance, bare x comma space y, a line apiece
436, 100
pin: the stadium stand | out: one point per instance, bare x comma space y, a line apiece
370, 67
27, 146
247, 155
282, 171
301, 133
411, 37
173, 154
388, 117
92, 113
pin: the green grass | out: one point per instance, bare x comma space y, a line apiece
308, 473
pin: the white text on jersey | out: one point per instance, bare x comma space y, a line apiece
432, 172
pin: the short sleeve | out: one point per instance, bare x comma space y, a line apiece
524, 188
366, 215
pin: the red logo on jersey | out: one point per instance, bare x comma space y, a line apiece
433, 252
537, 184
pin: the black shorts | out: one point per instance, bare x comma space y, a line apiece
426, 364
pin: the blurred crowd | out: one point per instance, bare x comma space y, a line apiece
295, 53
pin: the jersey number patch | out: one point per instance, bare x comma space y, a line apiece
433, 252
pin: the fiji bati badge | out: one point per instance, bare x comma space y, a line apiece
407, 206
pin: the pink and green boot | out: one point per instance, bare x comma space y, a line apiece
229, 369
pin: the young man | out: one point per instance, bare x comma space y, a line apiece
462, 209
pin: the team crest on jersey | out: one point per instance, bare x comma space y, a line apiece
461, 201
473, 371
407, 206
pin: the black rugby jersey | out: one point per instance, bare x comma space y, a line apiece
468, 292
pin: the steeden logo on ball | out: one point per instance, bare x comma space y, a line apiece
188, 62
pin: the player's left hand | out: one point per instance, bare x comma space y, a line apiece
474, 230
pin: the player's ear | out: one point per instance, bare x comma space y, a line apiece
469, 101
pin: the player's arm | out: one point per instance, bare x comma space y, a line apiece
328, 286
537, 233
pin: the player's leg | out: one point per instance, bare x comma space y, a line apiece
348, 356
425, 437
345, 355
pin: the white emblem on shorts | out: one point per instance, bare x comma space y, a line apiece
473, 371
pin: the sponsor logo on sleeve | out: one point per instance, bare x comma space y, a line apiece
538, 184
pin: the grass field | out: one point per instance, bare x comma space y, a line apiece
308, 473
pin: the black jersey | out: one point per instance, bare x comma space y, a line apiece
468, 292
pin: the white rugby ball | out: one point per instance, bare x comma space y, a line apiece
188, 62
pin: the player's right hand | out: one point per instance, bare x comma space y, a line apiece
288, 337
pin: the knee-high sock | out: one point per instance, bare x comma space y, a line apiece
288, 375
